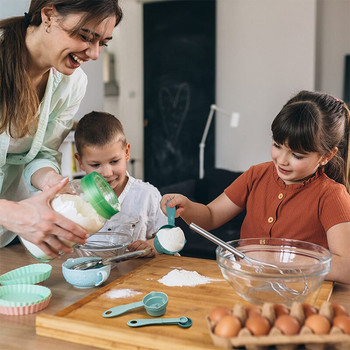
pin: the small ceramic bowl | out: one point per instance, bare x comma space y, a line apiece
85, 278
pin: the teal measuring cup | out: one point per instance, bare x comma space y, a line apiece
155, 304
171, 224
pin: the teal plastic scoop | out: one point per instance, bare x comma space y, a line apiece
171, 217
184, 322
171, 225
155, 304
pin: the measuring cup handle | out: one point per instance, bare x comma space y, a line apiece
171, 215
119, 310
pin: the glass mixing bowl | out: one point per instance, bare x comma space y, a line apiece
105, 244
299, 268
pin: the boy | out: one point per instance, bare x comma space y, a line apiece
102, 147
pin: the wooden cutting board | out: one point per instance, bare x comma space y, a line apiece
82, 321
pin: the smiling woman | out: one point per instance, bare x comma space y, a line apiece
41, 87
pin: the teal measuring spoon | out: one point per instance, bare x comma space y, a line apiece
155, 304
183, 321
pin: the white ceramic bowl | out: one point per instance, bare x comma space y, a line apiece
302, 267
105, 244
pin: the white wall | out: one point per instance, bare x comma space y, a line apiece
333, 43
127, 45
265, 53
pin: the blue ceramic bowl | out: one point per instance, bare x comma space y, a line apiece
85, 278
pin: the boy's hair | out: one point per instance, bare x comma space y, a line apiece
98, 129
316, 122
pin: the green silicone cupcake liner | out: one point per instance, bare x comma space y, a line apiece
18, 295
29, 274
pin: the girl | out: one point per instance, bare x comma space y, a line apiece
303, 193
41, 87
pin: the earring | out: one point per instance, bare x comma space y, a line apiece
323, 163
47, 28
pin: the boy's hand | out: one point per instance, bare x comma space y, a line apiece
140, 245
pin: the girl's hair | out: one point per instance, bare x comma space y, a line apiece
98, 129
18, 99
316, 122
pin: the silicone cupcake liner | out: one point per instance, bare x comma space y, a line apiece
25, 310
29, 274
18, 295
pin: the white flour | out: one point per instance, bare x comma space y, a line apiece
172, 239
76, 209
180, 278
121, 293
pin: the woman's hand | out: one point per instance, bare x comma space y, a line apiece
35, 220
140, 245
45, 178
174, 200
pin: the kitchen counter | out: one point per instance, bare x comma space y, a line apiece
18, 332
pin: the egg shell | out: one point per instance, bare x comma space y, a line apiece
253, 310
280, 310
309, 310
258, 325
287, 324
318, 324
218, 313
339, 309
228, 327
342, 322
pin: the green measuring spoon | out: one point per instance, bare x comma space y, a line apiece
183, 321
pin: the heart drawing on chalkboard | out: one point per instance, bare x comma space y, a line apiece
174, 102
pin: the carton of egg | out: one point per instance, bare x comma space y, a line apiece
285, 328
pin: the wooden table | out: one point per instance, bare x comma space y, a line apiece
18, 332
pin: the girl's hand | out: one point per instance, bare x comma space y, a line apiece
35, 220
140, 245
174, 200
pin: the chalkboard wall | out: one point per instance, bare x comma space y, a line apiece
179, 87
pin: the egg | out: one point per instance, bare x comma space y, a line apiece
218, 313
258, 325
309, 310
342, 322
280, 310
253, 310
339, 309
318, 324
287, 324
228, 327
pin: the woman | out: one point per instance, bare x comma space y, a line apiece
41, 87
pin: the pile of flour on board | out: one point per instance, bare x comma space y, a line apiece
121, 293
181, 278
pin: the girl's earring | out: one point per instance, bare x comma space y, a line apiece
323, 163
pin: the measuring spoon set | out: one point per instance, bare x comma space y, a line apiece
155, 304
